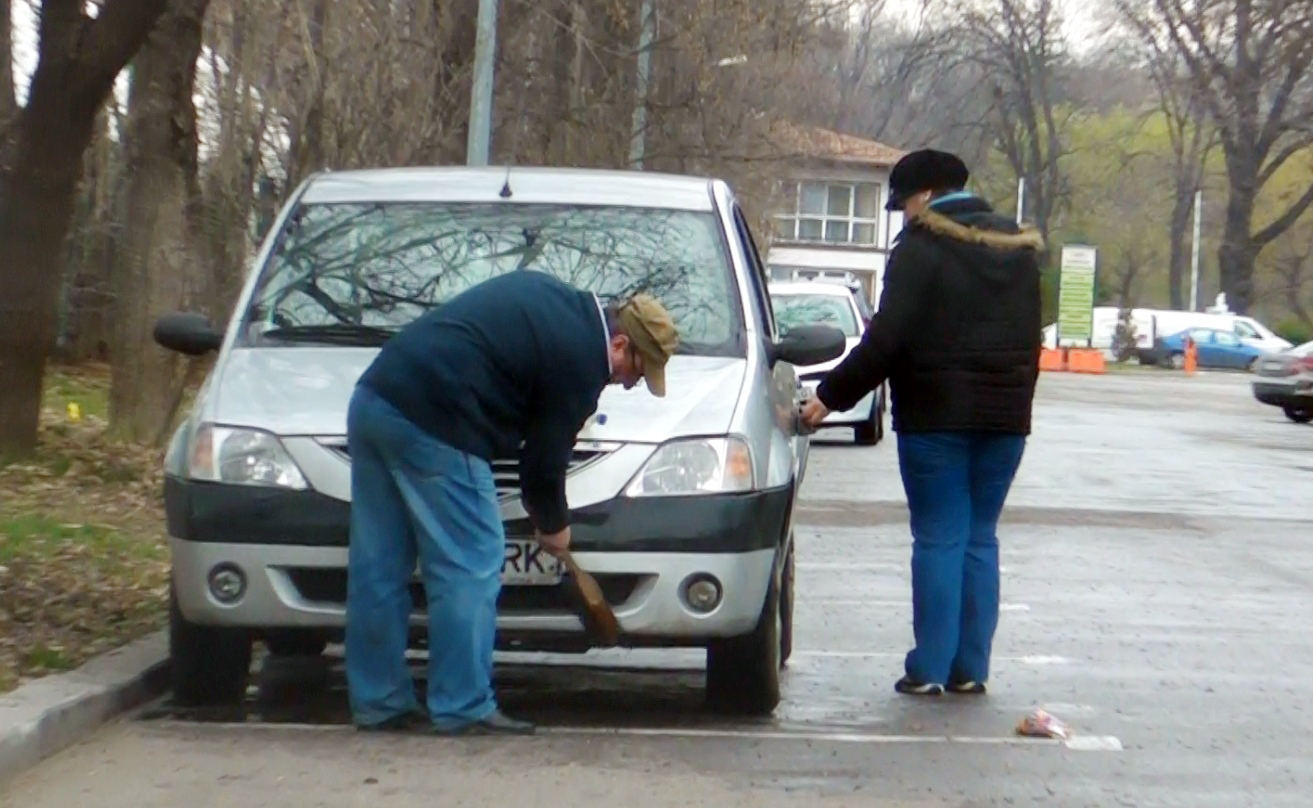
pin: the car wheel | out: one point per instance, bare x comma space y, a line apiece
211, 666
870, 431
1300, 415
1177, 361
743, 673
786, 607
294, 643
1254, 363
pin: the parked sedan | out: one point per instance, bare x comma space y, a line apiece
1216, 349
1285, 380
682, 506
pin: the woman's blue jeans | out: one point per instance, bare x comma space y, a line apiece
414, 498
956, 484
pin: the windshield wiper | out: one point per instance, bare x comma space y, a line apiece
333, 334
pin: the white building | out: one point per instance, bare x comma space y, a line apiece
832, 219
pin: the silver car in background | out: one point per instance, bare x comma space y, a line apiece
682, 506
1285, 380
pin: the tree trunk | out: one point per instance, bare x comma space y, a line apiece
159, 249
1238, 253
1177, 229
78, 61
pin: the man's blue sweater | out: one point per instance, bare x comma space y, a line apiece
518, 358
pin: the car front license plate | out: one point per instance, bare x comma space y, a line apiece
527, 564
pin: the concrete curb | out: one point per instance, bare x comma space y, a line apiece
47, 715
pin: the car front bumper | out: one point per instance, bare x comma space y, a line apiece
860, 413
290, 549
1295, 392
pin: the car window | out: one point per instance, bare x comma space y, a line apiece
382, 265
1227, 340
756, 272
793, 310
1246, 331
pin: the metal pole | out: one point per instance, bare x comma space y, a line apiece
1194, 251
638, 135
485, 55
1021, 198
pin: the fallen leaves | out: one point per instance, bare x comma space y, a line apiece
83, 559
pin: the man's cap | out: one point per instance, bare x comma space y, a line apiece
925, 170
653, 336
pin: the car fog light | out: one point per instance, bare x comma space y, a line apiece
227, 583
702, 593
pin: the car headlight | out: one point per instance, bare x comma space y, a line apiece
697, 466
242, 457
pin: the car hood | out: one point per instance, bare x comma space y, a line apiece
305, 391
849, 344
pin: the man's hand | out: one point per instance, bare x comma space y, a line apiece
555, 543
813, 412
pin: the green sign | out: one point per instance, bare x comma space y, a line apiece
1076, 294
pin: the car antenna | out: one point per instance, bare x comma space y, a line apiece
506, 186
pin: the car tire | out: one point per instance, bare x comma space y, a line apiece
295, 643
871, 431
1300, 415
210, 665
743, 673
786, 606
1176, 361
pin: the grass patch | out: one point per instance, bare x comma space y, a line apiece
83, 558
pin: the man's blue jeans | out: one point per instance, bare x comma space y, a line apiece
416, 498
956, 484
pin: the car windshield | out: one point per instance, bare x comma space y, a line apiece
793, 310
356, 273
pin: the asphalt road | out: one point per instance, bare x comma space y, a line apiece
1157, 574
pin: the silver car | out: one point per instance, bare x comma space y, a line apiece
808, 303
1285, 380
682, 506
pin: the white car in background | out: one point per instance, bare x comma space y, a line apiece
802, 303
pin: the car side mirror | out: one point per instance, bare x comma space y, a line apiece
808, 345
187, 333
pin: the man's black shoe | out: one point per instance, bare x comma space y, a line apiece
406, 722
496, 724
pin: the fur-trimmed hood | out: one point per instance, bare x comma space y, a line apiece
939, 224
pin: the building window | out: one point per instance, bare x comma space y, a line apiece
830, 212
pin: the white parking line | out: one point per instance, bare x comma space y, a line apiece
885, 604
1082, 743
1091, 743
1034, 659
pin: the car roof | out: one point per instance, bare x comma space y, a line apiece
809, 288
570, 186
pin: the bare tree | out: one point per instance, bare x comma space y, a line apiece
78, 58
1251, 63
159, 251
1019, 46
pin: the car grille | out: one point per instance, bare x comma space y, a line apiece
505, 473
328, 585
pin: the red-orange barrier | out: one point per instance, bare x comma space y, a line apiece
1086, 360
1052, 360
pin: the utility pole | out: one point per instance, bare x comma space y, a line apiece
1194, 250
485, 56
1021, 199
638, 134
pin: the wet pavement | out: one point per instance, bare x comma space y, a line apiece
1157, 567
